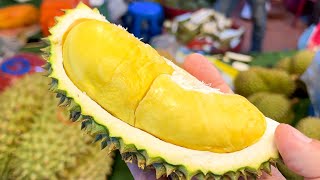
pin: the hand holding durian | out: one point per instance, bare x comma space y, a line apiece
158, 115
300, 153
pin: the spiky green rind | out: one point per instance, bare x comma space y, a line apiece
297, 64
35, 145
275, 106
131, 154
259, 79
19, 105
249, 82
310, 126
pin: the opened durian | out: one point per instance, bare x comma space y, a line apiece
155, 113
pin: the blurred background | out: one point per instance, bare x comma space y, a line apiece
266, 50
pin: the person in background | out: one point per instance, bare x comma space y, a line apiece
259, 19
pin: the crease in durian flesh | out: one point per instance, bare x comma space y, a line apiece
131, 81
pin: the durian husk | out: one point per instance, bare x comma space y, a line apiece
129, 153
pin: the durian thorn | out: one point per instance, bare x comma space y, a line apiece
104, 144
97, 128
160, 170
74, 116
48, 72
200, 176
232, 175
169, 169
266, 167
177, 175
244, 174
53, 82
98, 137
45, 56
212, 176
53, 87
46, 40
46, 49
113, 144
67, 102
86, 123
128, 157
62, 99
47, 66
141, 160
180, 174
124, 148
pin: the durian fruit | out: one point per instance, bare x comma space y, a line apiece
310, 126
37, 143
258, 79
155, 113
275, 106
19, 105
298, 63
285, 64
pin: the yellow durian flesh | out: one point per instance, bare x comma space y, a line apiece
196, 120
98, 63
133, 82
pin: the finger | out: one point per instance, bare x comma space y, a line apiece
300, 153
275, 175
202, 69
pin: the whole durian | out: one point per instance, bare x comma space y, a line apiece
310, 126
19, 105
37, 142
259, 79
272, 105
298, 63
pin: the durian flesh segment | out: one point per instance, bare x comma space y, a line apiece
108, 72
116, 70
196, 120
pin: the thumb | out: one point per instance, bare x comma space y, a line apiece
300, 153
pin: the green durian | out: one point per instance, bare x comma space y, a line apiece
310, 126
275, 106
259, 79
38, 142
298, 63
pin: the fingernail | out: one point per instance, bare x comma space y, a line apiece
300, 137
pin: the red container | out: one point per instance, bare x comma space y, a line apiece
51, 8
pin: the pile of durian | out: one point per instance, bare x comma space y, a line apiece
38, 142
274, 91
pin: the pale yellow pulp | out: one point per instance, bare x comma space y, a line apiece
133, 82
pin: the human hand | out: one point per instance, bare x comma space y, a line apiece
300, 154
